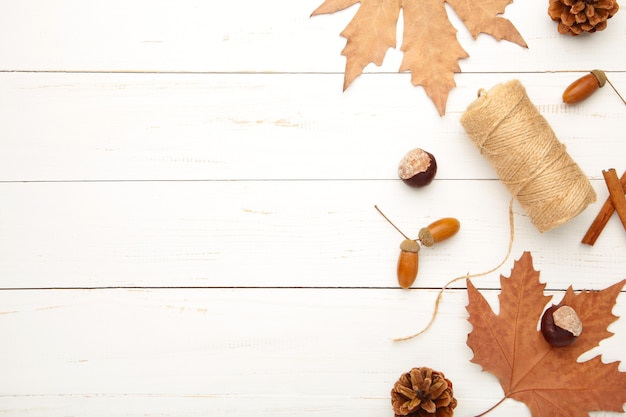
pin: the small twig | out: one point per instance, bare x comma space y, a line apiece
616, 194
602, 218
391, 223
615, 89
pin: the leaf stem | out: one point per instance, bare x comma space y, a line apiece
492, 407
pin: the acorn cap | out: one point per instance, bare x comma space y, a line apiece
601, 76
409, 245
426, 237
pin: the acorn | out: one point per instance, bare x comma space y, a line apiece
584, 87
417, 168
560, 325
408, 263
439, 230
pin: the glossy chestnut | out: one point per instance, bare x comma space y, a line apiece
417, 168
560, 325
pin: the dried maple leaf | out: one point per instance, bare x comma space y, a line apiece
431, 50
547, 379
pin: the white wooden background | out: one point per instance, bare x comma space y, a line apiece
186, 208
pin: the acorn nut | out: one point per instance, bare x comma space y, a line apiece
417, 168
560, 325
584, 87
439, 230
408, 263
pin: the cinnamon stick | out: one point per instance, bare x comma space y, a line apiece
616, 194
603, 217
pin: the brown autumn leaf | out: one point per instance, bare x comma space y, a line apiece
431, 50
548, 380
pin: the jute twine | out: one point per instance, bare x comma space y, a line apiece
521, 146
529, 159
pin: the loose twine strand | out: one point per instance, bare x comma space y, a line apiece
518, 142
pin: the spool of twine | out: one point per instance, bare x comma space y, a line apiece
521, 146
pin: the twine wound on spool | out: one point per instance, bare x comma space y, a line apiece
521, 146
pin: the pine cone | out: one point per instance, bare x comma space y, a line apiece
422, 392
578, 16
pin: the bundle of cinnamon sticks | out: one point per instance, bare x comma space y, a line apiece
616, 202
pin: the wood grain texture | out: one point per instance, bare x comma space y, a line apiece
187, 223
259, 126
213, 352
221, 234
252, 36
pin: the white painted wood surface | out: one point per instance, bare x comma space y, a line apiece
187, 223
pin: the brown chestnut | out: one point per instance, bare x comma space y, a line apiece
560, 325
417, 168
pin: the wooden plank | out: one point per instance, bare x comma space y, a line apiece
230, 351
186, 208
85, 35
64, 127
277, 233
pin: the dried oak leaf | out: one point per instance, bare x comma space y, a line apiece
431, 50
547, 379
